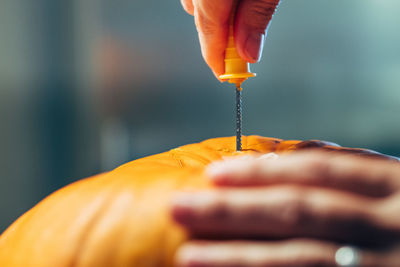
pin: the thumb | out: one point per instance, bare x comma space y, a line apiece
251, 22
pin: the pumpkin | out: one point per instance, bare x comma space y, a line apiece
121, 218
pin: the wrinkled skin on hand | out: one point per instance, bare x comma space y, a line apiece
251, 22
300, 208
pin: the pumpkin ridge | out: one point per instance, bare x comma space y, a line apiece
96, 218
178, 160
114, 192
225, 150
176, 153
276, 143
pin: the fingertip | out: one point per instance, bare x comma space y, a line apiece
250, 45
222, 180
181, 208
217, 66
213, 39
231, 171
213, 55
216, 169
251, 24
222, 170
190, 255
217, 75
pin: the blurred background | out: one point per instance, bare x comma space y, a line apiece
88, 85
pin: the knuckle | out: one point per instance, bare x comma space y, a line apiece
314, 168
219, 208
294, 210
317, 167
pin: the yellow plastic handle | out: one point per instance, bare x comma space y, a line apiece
237, 70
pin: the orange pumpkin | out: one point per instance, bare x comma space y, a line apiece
120, 218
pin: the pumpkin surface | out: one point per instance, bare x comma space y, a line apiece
121, 218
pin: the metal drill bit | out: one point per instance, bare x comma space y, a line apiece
238, 118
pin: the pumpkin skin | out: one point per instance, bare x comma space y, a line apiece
121, 218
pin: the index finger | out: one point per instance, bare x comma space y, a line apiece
212, 23
285, 212
366, 176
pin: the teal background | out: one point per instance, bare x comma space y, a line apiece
88, 85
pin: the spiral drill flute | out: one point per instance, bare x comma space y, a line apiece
238, 119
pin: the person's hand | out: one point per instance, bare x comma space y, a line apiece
212, 18
312, 200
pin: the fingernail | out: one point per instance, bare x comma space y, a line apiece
187, 254
269, 156
254, 45
216, 169
227, 166
232, 169
181, 199
192, 200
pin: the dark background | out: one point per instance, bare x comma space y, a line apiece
88, 85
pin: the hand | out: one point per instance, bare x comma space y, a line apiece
212, 17
324, 197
